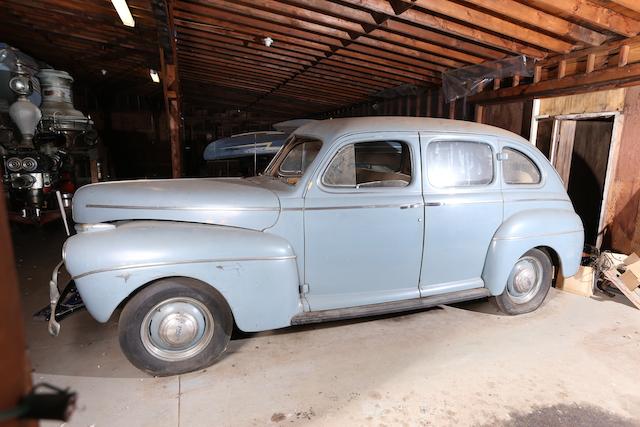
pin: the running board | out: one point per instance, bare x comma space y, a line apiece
388, 307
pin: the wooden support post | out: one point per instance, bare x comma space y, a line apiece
15, 367
496, 84
591, 63
623, 56
163, 10
516, 80
419, 104
479, 112
537, 73
562, 69
452, 109
440, 104
429, 101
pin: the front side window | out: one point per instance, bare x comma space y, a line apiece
294, 159
517, 168
459, 164
370, 164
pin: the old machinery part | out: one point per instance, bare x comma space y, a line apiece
58, 112
14, 164
29, 164
23, 112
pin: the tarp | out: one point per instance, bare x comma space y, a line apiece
470, 80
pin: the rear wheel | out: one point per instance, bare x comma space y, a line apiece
528, 283
174, 326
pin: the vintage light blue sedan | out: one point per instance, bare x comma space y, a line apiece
353, 217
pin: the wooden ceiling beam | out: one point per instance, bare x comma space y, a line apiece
233, 58
410, 52
451, 27
397, 58
305, 14
247, 39
221, 20
537, 18
389, 66
243, 12
494, 24
186, 46
381, 71
240, 68
258, 47
629, 4
431, 41
592, 14
240, 50
352, 73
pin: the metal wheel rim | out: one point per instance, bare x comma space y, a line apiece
525, 280
177, 329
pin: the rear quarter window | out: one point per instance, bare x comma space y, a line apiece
518, 168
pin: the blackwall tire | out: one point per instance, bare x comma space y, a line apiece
174, 326
528, 283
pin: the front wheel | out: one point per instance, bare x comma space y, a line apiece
174, 326
528, 283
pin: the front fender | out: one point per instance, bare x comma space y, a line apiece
255, 272
558, 229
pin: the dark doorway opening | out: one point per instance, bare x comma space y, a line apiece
588, 171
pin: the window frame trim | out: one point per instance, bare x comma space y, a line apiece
531, 158
494, 166
293, 174
327, 188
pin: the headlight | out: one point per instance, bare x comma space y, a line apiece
29, 164
14, 164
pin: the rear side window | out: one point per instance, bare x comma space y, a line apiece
370, 164
518, 168
459, 164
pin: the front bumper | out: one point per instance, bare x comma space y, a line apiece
61, 304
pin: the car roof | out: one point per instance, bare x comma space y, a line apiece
330, 129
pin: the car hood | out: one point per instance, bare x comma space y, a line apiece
225, 201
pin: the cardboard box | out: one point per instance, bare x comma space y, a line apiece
631, 276
581, 283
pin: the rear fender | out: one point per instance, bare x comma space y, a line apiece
558, 229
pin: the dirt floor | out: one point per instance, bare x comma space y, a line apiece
575, 361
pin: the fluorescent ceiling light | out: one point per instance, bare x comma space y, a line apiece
124, 12
154, 76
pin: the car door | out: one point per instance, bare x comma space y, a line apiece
463, 210
363, 222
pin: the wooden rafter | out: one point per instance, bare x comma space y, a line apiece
616, 64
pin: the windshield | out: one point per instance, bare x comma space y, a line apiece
294, 158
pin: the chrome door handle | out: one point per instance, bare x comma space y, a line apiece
414, 205
434, 204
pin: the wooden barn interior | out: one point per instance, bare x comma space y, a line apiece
228, 67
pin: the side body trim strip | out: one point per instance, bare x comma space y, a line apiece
197, 261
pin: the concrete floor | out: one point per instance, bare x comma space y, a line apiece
575, 361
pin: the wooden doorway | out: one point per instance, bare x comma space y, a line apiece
581, 148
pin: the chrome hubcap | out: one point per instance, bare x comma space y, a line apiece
525, 280
177, 329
